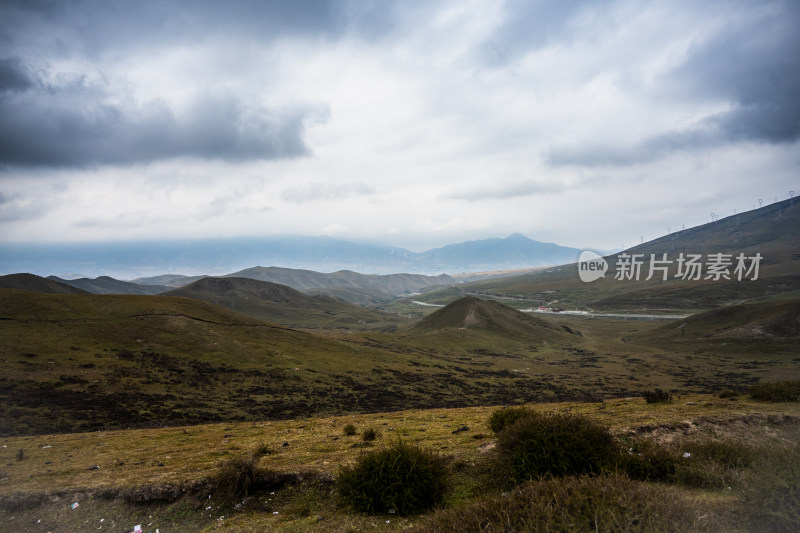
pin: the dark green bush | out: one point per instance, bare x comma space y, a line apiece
370, 434
235, 477
776, 391
554, 444
657, 396
403, 478
506, 416
350, 430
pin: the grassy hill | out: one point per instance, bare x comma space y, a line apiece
31, 282
86, 361
82, 362
474, 313
283, 305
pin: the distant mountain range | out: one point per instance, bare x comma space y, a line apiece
249, 285
107, 285
127, 260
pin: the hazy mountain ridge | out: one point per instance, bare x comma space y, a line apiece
109, 285
284, 305
147, 261
391, 284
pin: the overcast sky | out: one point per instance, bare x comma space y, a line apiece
413, 123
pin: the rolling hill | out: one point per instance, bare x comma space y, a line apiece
31, 282
773, 321
474, 313
344, 283
108, 285
284, 305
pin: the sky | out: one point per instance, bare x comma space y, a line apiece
409, 123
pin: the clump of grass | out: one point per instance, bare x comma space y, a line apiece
403, 478
776, 391
350, 430
657, 396
772, 497
234, 477
554, 444
585, 503
370, 434
645, 460
712, 463
262, 450
501, 418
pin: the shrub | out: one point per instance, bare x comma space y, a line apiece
350, 430
776, 391
506, 416
234, 477
404, 478
370, 434
657, 396
554, 444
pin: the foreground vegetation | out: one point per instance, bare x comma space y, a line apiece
699, 462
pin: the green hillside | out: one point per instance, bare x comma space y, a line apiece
31, 282
284, 305
86, 361
756, 329
470, 312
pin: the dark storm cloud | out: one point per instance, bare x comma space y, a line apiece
62, 120
13, 76
76, 125
754, 67
758, 68
92, 27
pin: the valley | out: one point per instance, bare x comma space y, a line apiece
278, 359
